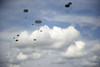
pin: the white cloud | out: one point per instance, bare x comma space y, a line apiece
72, 18
75, 50
6, 35
96, 47
95, 58
57, 45
89, 64
92, 61
27, 50
62, 36
60, 61
49, 38
11, 65
21, 56
36, 55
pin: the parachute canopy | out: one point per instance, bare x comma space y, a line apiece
68, 5
32, 24
34, 39
40, 30
7, 54
25, 10
13, 37
18, 35
16, 40
38, 21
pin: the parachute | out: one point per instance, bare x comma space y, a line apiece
32, 24
25, 11
16, 40
13, 37
38, 21
40, 30
68, 5
18, 35
34, 39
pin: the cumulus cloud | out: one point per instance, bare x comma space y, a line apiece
21, 56
4, 35
36, 55
59, 61
76, 50
54, 38
89, 64
11, 65
95, 58
96, 49
49, 39
92, 61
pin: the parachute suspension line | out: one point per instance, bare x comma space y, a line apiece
34, 26
70, 8
25, 16
67, 12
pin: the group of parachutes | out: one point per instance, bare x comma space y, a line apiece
38, 21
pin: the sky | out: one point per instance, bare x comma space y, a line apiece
66, 37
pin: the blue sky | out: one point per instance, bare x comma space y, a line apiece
67, 39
